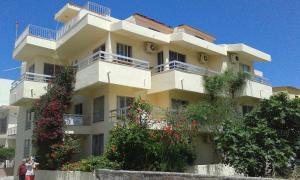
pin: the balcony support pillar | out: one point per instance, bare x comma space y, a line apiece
166, 56
108, 47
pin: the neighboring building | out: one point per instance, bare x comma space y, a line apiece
293, 92
5, 85
118, 60
8, 116
8, 126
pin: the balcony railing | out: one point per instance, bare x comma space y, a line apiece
37, 31
11, 131
76, 120
260, 79
185, 67
49, 34
97, 8
114, 58
28, 76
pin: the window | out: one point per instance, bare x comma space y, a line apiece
124, 50
177, 103
51, 69
245, 68
98, 144
100, 48
26, 148
3, 125
98, 114
160, 61
78, 109
29, 119
31, 70
122, 104
246, 109
174, 56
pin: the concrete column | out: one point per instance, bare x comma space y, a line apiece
166, 56
108, 46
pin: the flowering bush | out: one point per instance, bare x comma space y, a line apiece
136, 147
48, 120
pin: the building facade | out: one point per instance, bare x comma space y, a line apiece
118, 60
292, 92
8, 116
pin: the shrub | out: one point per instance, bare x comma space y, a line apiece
90, 164
159, 150
6, 154
266, 143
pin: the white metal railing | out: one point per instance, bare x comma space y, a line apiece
49, 34
185, 67
97, 8
66, 27
109, 57
28, 76
36, 31
260, 79
11, 131
75, 120
90, 6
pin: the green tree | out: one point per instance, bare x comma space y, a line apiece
266, 143
6, 153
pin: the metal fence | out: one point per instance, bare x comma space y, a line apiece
110, 57
28, 76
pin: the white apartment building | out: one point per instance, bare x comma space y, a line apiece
118, 60
8, 116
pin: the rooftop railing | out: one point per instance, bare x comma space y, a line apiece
114, 58
28, 76
36, 31
185, 67
97, 8
53, 35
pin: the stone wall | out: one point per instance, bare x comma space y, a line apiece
63, 175
104, 174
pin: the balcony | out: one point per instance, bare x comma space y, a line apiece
11, 131
90, 21
35, 40
30, 86
107, 68
257, 87
77, 124
179, 75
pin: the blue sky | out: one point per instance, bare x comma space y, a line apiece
270, 26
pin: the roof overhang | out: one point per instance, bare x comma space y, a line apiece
248, 52
67, 13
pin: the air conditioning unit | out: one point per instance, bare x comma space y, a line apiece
202, 58
234, 58
150, 47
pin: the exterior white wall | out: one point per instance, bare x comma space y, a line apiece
27, 90
5, 91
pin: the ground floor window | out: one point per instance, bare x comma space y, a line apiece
97, 144
98, 114
27, 143
246, 109
178, 103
